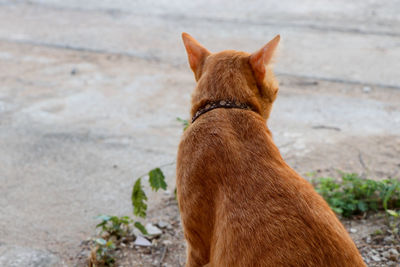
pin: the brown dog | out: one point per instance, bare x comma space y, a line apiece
240, 203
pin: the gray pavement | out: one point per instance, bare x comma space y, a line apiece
90, 91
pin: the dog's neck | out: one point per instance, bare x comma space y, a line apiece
220, 104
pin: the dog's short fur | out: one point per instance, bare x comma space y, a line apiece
240, 203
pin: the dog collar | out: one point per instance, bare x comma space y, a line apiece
220, 104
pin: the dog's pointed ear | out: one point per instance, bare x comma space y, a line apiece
260, 59
195, 51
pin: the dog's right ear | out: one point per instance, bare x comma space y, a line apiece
196, 54
260, 59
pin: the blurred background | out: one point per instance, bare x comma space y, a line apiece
90, 92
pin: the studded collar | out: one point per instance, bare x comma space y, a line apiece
220, 104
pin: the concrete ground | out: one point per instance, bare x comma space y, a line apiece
90, 91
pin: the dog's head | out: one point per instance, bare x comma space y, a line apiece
233, 75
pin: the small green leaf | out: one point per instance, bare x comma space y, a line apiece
104, 217
185, 123
388, 195
141, 228
138, 200
157, 179
110, 245
337, 210
125, 220
378, 232
102, 224
393, 213
362, 206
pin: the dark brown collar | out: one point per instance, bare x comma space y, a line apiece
220, 104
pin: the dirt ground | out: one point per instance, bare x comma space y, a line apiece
90, 92
371, 234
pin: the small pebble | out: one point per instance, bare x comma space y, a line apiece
153, 231
353, 230
136, 232
142, 242
163, 224
373, 252
167, 242
394, 251
375, 258
386, 254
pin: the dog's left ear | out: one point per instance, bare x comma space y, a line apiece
260, 59
196, 53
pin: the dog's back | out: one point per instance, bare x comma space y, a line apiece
241, 204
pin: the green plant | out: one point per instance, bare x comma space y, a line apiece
113, 228
139, 199
354, 195
156, 182
390, 193
117, 226
185, 123
103, 255
394, 221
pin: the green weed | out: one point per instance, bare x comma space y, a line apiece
185, 123
113, 228
353, 195
114, 225
102, 255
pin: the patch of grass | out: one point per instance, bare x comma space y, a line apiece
353, 195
